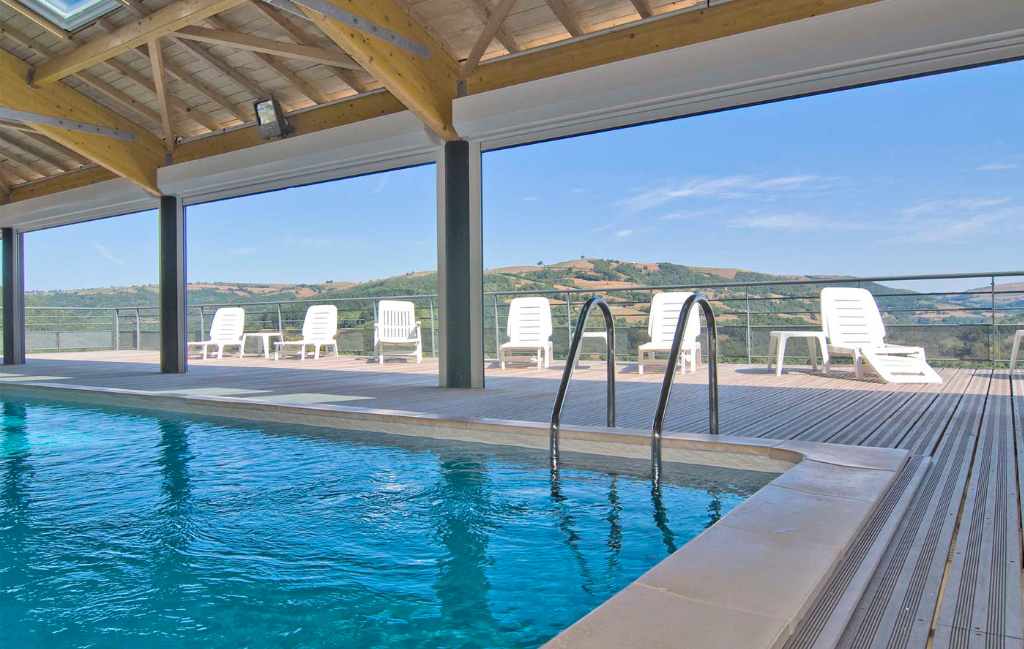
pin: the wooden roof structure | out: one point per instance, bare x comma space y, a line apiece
182, 75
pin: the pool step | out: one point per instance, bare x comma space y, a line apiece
824, 624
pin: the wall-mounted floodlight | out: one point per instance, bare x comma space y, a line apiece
271, 119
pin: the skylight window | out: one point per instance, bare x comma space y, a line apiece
72, 14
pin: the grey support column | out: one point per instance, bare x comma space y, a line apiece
172, 286
14, 297
460, 268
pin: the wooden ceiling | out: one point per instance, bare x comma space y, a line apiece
219, 56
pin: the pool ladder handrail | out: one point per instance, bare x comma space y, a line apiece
670, 372
573, 358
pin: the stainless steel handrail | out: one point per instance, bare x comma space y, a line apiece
570, 364
670, 373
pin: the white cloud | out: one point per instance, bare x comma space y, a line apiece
529, 199
725, 187
105, 252
318, 243
957, 205
623, 233
795, 222
381, 184
997, 166
602, 228
241, 252
936, 228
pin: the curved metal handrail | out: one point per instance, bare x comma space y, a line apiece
570, 364
670, 372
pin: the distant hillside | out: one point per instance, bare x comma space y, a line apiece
596, 275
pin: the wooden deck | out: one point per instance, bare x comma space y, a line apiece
951, 574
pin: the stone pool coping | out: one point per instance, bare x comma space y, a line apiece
745, 582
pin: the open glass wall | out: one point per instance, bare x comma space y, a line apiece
92, 287
923, 176
347, 243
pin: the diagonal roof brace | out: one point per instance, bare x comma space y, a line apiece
352, 20
13, 115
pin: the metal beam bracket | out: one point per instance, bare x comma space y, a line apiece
13, 115
352, 20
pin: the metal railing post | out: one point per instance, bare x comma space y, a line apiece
746, 291
497, 339
568, 312
202, 324
58, 329
993, 335
138, 330
433, 344
117, 332
280, 327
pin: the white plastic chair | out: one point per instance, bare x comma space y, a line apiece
397, 326
318, 330
225, 331
661, 327
529, 329
851, 321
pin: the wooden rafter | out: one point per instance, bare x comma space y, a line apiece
494, 23
643, 7
40, 140
563, 12
504, 36
136, 161
5, 190
268, 46
210, 93
300, 37
183, 109
156, 57
425, 86
664, 33
16, 155
165, 20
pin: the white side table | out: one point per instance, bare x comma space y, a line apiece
264, 338
777, 348
1017, 337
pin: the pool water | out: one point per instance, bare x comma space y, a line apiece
140, 529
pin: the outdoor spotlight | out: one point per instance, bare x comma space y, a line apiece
271, 119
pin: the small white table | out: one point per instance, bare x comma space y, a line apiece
777, 348
1017, 337
264, 338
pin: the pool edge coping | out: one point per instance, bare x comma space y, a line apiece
763, 607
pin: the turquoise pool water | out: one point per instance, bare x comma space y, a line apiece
138, 529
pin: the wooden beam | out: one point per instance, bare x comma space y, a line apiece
40, 20
494, 23
210, 93
426, 86
504, 36
5, 191
268, 46
23, 170
165, 20
16, 155
665, 32
357, 109
563, 12
297, 35
156, 57
40, 140
136, 161
643, 7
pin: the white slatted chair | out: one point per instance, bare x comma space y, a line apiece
318, 331
661, 327
851, 321
529, 330
397, 326
225, 331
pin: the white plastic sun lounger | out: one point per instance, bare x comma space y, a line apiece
318, 330
661, 327
853, 325
529, 330
397, 326
225, 331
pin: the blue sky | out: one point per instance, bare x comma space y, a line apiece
919, 176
